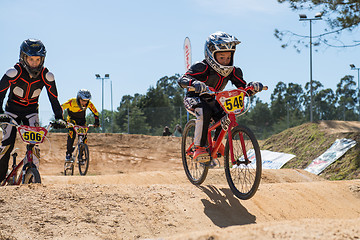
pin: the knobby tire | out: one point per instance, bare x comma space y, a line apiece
195, 172
32, 175
83, 158
68, 170
243, 178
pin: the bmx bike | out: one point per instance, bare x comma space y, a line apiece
82, 151
242, 158
30, 172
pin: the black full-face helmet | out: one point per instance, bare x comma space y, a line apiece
220, 42
32, 47
83, 94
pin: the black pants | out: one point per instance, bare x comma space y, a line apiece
72, 135
211, 110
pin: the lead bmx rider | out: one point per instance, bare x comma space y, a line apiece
26, 80
215, 71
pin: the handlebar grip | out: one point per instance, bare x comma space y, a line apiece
265, 88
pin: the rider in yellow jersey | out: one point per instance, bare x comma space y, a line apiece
76, 108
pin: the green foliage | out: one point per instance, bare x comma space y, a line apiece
339, 16
162, 105
308, 142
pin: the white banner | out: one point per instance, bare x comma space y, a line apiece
270, 160
187, 53
339, 148
274, 160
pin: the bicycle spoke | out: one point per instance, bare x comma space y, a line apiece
196, 172
244, 174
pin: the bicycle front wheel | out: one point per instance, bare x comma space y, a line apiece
32, 175
243, 176
196, 172
83, 159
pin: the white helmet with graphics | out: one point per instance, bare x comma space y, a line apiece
220, 42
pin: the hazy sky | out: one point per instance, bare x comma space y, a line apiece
138, 42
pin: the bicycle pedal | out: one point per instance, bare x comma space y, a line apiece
203, 159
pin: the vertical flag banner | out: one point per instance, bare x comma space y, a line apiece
187, 57
187, 53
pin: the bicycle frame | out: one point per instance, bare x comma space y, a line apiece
231, 115
242, 174
32, 136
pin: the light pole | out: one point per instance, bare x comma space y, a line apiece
303, 17
112, 111
107, 76
358, 98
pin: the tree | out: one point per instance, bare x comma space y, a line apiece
306, 98
258, 118
340, 16
325, 104
278, 104
346, 93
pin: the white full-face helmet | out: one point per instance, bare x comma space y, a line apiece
220, 42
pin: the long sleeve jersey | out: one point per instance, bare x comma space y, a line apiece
201, 71
78, 114
24, 91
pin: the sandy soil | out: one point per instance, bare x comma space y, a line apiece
136, 189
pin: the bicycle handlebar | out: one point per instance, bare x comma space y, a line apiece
73, 125
213, 92
12, 122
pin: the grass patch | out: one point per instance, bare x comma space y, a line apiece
308, 142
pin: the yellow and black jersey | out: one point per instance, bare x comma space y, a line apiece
76, 113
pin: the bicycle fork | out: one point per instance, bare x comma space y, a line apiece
241, 138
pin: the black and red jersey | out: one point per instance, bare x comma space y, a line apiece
25, 91
201, 71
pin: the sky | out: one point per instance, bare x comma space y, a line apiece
139, 42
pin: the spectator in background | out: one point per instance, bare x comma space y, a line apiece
166, 131
177, 131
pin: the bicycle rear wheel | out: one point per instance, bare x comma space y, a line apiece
32, 175
83, 159
244, 176
68, 168
196, 172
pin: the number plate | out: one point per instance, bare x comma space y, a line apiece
33, 135
232, 101
81, 130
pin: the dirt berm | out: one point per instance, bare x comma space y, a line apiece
136, 189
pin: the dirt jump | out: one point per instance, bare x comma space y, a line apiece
136, 188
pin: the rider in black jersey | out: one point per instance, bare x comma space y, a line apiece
215, 71
25, 81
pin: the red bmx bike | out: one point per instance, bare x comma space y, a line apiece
30, 163
242, 158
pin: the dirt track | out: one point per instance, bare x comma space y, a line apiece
136, 189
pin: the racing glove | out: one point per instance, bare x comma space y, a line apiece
4, 117
257, 87
199, 86
59, 123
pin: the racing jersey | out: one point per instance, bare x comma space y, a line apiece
201, 71
24, 91
76, 113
